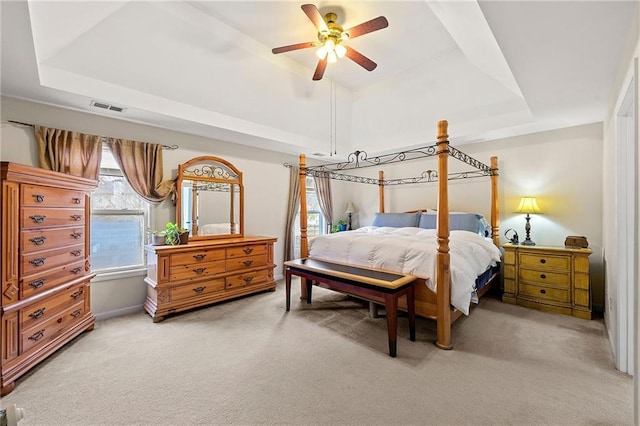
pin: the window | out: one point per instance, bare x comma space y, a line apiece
315, 220
119, 218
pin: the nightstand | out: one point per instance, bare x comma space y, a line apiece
554, 279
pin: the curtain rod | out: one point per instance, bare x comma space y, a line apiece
104, 139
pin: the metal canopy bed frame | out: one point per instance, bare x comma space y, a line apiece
431, 305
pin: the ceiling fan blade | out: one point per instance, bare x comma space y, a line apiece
360, 59
314, 15
297, 46
367, 27
322, 65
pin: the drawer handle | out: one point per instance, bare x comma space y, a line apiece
37, 336
76, 200
543, 260
38, 241
543, 276
199, 289
543, 291
247, 262
76, 270
37, 314
248, 279
248, 250
76, 253
199, 271
37, 283
76, 313
76, 217
199, 256
38, 261
76, 235
39, 198
76, 294
37, 218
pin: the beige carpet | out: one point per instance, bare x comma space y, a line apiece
248, 362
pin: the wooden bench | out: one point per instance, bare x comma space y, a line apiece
368, 284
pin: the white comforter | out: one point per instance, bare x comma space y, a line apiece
412, 251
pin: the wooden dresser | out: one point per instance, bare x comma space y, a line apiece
203, 272
45, 268
553, 279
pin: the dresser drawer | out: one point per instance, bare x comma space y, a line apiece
544, 293
248, 250
51, 328
247, 279
240, 263
46, 196
43, 239
195, 257
47, 259
562, 263
196, 290
36, 217
555, 279
196, 271
43, 310
41, 281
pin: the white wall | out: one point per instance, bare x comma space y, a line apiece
562, 168
266, 181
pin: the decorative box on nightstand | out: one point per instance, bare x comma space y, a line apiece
554, 279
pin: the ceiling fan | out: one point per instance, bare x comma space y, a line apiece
331, 38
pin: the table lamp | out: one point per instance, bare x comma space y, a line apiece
350, 210
528, 205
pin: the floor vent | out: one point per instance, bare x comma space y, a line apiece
108, 107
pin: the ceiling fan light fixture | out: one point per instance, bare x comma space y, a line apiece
321, 53
340, 50
332, 57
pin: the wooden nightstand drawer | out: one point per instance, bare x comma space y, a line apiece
546, 293
544, 278
545, 261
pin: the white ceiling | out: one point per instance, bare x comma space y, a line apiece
491, 68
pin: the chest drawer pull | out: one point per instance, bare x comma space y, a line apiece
199, 289
76, 270
76, 217
248, 279
76, 200
37, 218
199, 256
38, 261
76, 294
543, 260
543, 291
37, 283
247, 262
543, 276
39, 198
76, 253
76, 313
199, 271
76, 235
37, 336
37, 313
38, 241
248, 250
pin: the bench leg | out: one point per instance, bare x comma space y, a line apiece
411, 312
287, 287
309, 288
391, 306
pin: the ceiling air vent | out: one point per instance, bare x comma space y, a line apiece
108, 107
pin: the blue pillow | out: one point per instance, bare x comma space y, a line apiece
428, 221
472, 222
396, 220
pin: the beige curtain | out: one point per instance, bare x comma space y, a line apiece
292, 212
141, 163
69, 152
323, 191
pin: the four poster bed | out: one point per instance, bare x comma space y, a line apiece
417, 245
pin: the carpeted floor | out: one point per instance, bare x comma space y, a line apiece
247, 362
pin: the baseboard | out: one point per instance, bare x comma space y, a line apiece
119, 312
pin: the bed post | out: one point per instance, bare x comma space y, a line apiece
443, 282
495, 212
381, 190
304, 247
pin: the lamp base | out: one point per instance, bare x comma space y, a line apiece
528, 242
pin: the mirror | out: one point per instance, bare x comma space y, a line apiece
210, 199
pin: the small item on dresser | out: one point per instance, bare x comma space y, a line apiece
576, 241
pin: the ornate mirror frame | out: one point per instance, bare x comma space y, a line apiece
212, 176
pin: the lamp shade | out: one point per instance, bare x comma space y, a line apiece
350, 208
528, 205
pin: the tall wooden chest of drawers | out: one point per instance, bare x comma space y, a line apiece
45, 272
203, 272
553, 279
